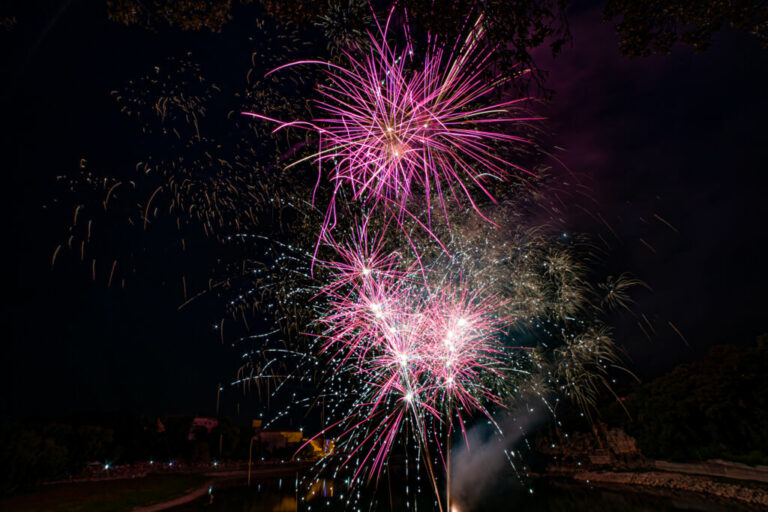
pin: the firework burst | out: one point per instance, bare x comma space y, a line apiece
421, 353
394, 127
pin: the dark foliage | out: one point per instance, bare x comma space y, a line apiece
654, 26
514, 28
30, 454
192, 15
713, 408
36, 451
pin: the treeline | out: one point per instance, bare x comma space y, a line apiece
38, 450
713, 408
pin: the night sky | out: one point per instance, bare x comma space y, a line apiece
680, 136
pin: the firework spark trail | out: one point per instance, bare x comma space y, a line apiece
391, 132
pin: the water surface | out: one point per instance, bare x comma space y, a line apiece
281, 495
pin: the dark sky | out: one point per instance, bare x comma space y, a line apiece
680, 136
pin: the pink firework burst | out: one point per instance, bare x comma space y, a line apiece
361, 259
363, 314
393, 125
462, 347
421, 351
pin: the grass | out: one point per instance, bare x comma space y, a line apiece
110, 496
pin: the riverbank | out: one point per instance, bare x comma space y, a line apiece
742, 491
151, 492
223, 480
609, 456
106, 496
189, 497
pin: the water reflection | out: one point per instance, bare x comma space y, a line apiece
320, 488
282, 495
287, 504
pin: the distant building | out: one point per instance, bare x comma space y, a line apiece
272, 441
322, 447
199, 424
